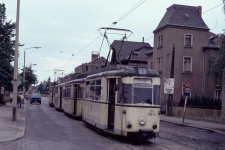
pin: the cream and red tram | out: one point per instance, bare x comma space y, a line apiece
124, 101
73, 99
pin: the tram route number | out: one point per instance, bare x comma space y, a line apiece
152, 113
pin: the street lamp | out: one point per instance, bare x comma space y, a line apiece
24, 68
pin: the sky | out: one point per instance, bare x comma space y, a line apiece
67, 30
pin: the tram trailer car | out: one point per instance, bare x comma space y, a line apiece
73, 99
51, 96
59, 98
124, 102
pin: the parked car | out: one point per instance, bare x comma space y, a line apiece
35, 97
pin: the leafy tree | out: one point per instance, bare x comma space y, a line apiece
6, 49
30, 78
217, 65
41, 88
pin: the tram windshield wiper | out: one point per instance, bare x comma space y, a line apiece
139, 99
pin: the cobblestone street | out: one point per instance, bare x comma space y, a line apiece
48, 129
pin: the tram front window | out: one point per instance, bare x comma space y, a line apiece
142, 95
142, 91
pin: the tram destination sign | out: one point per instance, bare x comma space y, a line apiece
168, 85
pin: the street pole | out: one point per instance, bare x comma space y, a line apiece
170, 97
15, 77
24, 74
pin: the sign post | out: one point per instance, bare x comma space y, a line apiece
187, 92
169, 89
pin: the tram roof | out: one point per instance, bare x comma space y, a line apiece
125, 71
76, 81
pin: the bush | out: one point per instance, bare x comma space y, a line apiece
201, 102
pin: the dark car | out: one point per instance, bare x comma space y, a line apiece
35, 97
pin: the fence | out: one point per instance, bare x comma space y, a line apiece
202, 114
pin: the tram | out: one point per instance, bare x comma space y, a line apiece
73, 100
124, 101
51, 96
59, 99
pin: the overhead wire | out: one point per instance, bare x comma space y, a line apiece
120, 19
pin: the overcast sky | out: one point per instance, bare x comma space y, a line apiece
65, 27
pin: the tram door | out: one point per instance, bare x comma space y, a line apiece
52, 91
111, 99
75, 98
60, 98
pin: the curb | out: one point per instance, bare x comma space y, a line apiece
193, 126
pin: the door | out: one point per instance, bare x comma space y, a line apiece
111, 100
75, 98
60, 98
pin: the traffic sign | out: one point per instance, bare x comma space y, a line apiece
18, 82
187, 91
168, 85
188, 84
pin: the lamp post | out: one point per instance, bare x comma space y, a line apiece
24, 68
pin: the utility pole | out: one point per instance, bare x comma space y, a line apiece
15, 77
170, 97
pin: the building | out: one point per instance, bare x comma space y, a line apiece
130, 53
96, 63
183, 29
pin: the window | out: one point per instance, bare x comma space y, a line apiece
93, 90
67, 91
151, 65
160, 41
86, 68
187, 64
159, 64
188, 40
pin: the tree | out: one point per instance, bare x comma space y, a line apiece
30, 78
217, 65
223, 6
41, 88
6, 49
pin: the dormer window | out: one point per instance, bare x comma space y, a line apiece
188, 40
160, 41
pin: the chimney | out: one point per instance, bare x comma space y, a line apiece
94, 56
200, 10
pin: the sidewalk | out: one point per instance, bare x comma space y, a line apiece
211, 126
11, 130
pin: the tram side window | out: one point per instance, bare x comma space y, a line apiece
98, 90
127, 93
87, 90
92, 90
67, 91
156, 94
81, 92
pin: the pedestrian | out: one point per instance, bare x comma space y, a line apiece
18, 101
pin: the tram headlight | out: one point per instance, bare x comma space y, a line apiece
142, 121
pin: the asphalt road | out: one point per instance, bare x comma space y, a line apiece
48, 129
